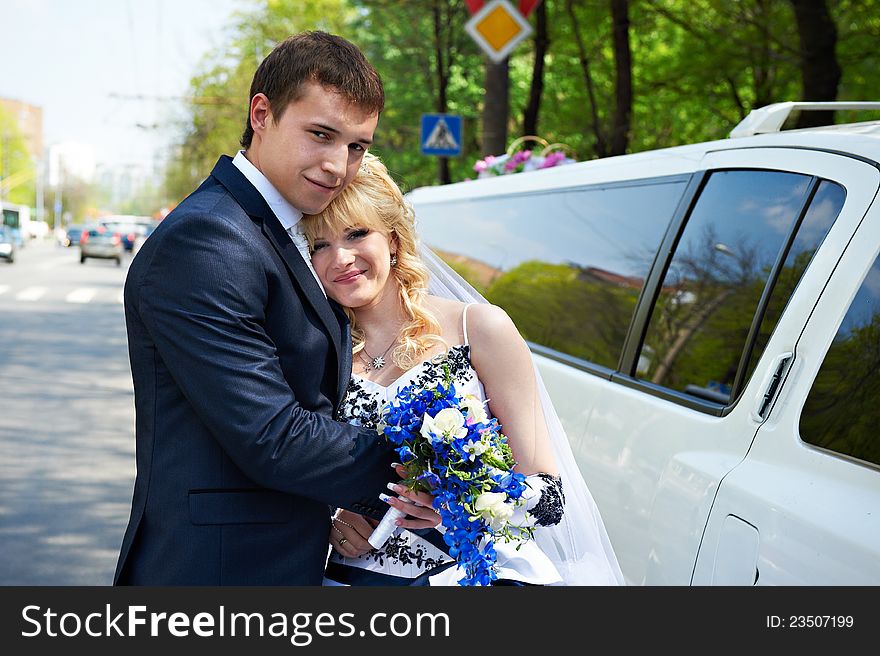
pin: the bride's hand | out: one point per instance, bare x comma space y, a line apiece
349, 533
417, 505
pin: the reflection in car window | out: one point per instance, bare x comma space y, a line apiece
820, 216
566, 265
842, 411
701, 320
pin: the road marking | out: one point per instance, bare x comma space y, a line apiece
31, 294
4, 289
81, 295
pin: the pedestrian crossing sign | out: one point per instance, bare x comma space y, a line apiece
441, 135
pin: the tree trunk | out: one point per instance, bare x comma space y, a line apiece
442, 69
542, 44
496, 107
623, 64
601, 148
820, 71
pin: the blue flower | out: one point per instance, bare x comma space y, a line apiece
455, 471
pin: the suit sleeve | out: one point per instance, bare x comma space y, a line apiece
202, 299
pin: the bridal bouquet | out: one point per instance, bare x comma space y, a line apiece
453, 450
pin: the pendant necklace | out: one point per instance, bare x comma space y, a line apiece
378, 361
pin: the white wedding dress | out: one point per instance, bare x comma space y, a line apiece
420, 557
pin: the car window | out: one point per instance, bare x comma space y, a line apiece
710, 296
842, 411
820, 216
567, 265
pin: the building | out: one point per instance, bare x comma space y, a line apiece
30, 123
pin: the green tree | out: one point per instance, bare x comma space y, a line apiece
428, 64
697, 69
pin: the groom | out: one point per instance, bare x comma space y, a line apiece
238, 359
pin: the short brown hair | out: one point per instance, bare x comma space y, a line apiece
318, 57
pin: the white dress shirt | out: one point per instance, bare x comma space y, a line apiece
287, 214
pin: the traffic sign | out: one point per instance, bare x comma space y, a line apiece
441, 135
498, 28
525, 6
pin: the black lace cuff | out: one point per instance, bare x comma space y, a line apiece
548, 509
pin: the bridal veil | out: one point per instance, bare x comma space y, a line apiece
579, 545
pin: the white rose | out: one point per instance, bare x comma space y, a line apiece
450, 422
428, 427
493, 508
476, 411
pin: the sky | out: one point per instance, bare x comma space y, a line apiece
82, 61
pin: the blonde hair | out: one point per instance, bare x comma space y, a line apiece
374, 201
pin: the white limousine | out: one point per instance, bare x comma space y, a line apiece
707, 321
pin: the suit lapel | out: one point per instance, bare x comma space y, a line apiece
345, 360
255, 205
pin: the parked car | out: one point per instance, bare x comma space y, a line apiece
72, 235
99, 241
18, 237
141, 236
7, 244
128, 227
706, 319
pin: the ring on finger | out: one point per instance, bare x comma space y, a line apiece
342, 541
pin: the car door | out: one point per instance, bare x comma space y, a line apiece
803, 507
677, 418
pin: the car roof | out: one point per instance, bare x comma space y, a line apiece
860, 140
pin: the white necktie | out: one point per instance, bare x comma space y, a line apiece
302, 245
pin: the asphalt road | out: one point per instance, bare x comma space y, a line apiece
66, 418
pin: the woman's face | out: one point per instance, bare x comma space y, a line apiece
354, 266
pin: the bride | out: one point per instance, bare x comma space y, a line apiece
365, 251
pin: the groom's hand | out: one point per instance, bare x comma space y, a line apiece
349, 534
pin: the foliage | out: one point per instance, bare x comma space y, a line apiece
698, 68
15, 163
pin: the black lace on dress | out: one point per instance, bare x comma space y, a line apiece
363, 407
550, 506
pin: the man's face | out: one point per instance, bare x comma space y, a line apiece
314, 149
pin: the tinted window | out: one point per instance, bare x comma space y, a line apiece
567, 265
10, 218
702, 318
820, 216
842, 411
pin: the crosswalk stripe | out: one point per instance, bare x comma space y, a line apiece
81, 295
31, 293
